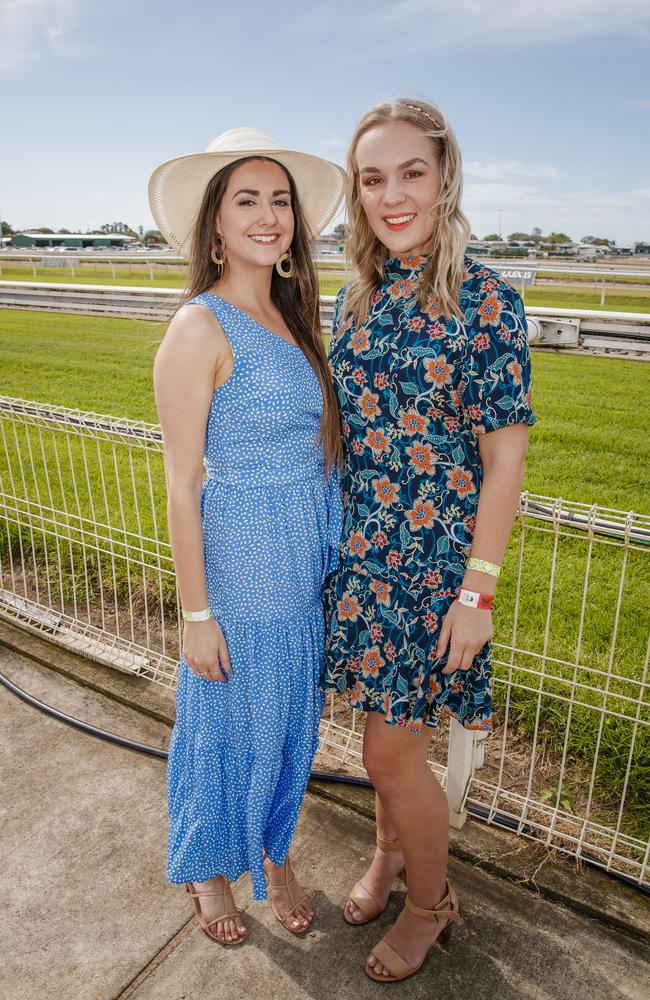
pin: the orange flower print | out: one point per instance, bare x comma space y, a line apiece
400, 289
385, 491
515, 370
460, 480
378, 441
369, 406
422, 514
421, 456
490, 310
382, 591
360, 341
435, 687
411, 422
348, 608
411, 261
372, 662
357, 693
431, 621
437, 370
358, 544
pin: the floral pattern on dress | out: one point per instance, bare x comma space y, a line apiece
416, 389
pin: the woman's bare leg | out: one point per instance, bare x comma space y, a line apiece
416, 808
385, 865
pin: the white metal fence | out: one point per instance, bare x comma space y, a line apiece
85, 561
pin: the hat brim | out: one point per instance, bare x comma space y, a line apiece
177, 186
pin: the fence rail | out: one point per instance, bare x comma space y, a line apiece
85, 561
583, 329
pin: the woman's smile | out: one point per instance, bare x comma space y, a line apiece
398, 222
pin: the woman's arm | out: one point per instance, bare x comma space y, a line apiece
193, 354
503, 452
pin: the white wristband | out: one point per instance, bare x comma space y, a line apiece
197, 616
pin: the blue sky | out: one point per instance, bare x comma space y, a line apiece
550, 99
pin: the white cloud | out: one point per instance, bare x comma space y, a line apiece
637, 104
498, 170
421, 25
32, 28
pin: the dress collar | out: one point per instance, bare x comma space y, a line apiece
405, 268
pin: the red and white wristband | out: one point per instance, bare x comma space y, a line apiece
472, 599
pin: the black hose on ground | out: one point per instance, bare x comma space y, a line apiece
498, 819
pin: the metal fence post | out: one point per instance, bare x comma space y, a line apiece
460, 761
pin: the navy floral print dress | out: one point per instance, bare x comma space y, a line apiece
416, 390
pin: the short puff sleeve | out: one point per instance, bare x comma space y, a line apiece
496, 381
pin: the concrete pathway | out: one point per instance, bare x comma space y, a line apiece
89, 916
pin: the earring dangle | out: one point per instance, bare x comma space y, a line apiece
280, 267
218, 257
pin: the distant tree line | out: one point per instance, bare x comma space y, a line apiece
537, 237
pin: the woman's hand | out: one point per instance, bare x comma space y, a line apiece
205, 650
464, 631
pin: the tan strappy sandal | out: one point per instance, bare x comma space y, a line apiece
291, 914
364, 900
390, 959
205, 925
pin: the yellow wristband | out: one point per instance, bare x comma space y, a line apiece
482, 566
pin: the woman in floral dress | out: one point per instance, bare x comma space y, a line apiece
430, 360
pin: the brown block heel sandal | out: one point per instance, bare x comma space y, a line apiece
228, 915
291, 914
362, 899
401, 969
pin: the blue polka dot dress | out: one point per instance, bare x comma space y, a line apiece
241, 751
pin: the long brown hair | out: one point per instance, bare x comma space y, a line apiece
297, 298
443, 274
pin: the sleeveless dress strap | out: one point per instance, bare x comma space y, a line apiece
223, 311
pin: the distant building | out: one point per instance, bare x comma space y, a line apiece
72, 241
325, 245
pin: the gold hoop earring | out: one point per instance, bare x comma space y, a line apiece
280, 268
218, 255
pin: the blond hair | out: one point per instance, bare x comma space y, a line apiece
443, 274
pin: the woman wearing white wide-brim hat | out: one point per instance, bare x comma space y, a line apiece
242, 385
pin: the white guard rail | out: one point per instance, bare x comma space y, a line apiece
584, 329
85, 561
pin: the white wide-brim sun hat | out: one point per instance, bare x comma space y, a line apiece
177, 186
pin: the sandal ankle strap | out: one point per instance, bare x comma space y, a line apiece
447, 907
388, 845
206, 892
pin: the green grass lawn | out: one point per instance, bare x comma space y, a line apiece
591, 444
620, 279
167, 276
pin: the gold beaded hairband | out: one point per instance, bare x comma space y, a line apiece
416, 107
